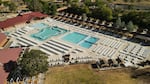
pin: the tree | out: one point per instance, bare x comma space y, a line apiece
132, 0
99, 3
75, 9
0, 2
6, 3
122, 24
103, 13
34, 5
84, 16
130, 26
126, 0
12, 6
45, 8
27, 1
118, 23
142, 19
87, 2
138, 0
53, 9
68, 1
75, 1
85, 9
33, 63
130, 7
106, 13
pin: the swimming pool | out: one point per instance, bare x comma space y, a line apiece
48, 32
80, 39
74, 37
87, 43
39, 25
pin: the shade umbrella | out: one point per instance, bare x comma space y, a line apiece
80, 18
110, 24
83, 23
90, 20
90, 25
62, 13
96, 26
70, 16
97, 21
103, 22
75, 16
54, 17
66, 15
85, 19
59, 18
67, 19
74, 21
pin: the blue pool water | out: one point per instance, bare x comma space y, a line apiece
39, 25
89, 42
74, 37
92, 39
86, 44
48, 32
80, 39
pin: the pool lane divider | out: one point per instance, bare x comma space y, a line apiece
83, 40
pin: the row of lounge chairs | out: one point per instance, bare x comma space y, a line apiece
111, 43
53, 47
81, 59
104, 51
133, 53
135, 50
20, 32
86, 25
74, 22
129, 59
25, 41
89, 20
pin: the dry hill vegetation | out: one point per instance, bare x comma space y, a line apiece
84, 74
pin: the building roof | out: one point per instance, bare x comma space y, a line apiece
21, 19
2, 37
3, 75
7, 55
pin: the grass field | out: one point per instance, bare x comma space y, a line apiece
84, 74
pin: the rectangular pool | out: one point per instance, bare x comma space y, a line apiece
87, 43
80, 39
74, 37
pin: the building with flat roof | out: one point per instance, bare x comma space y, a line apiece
7, 58
20, 20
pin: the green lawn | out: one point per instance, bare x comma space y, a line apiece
83, 74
